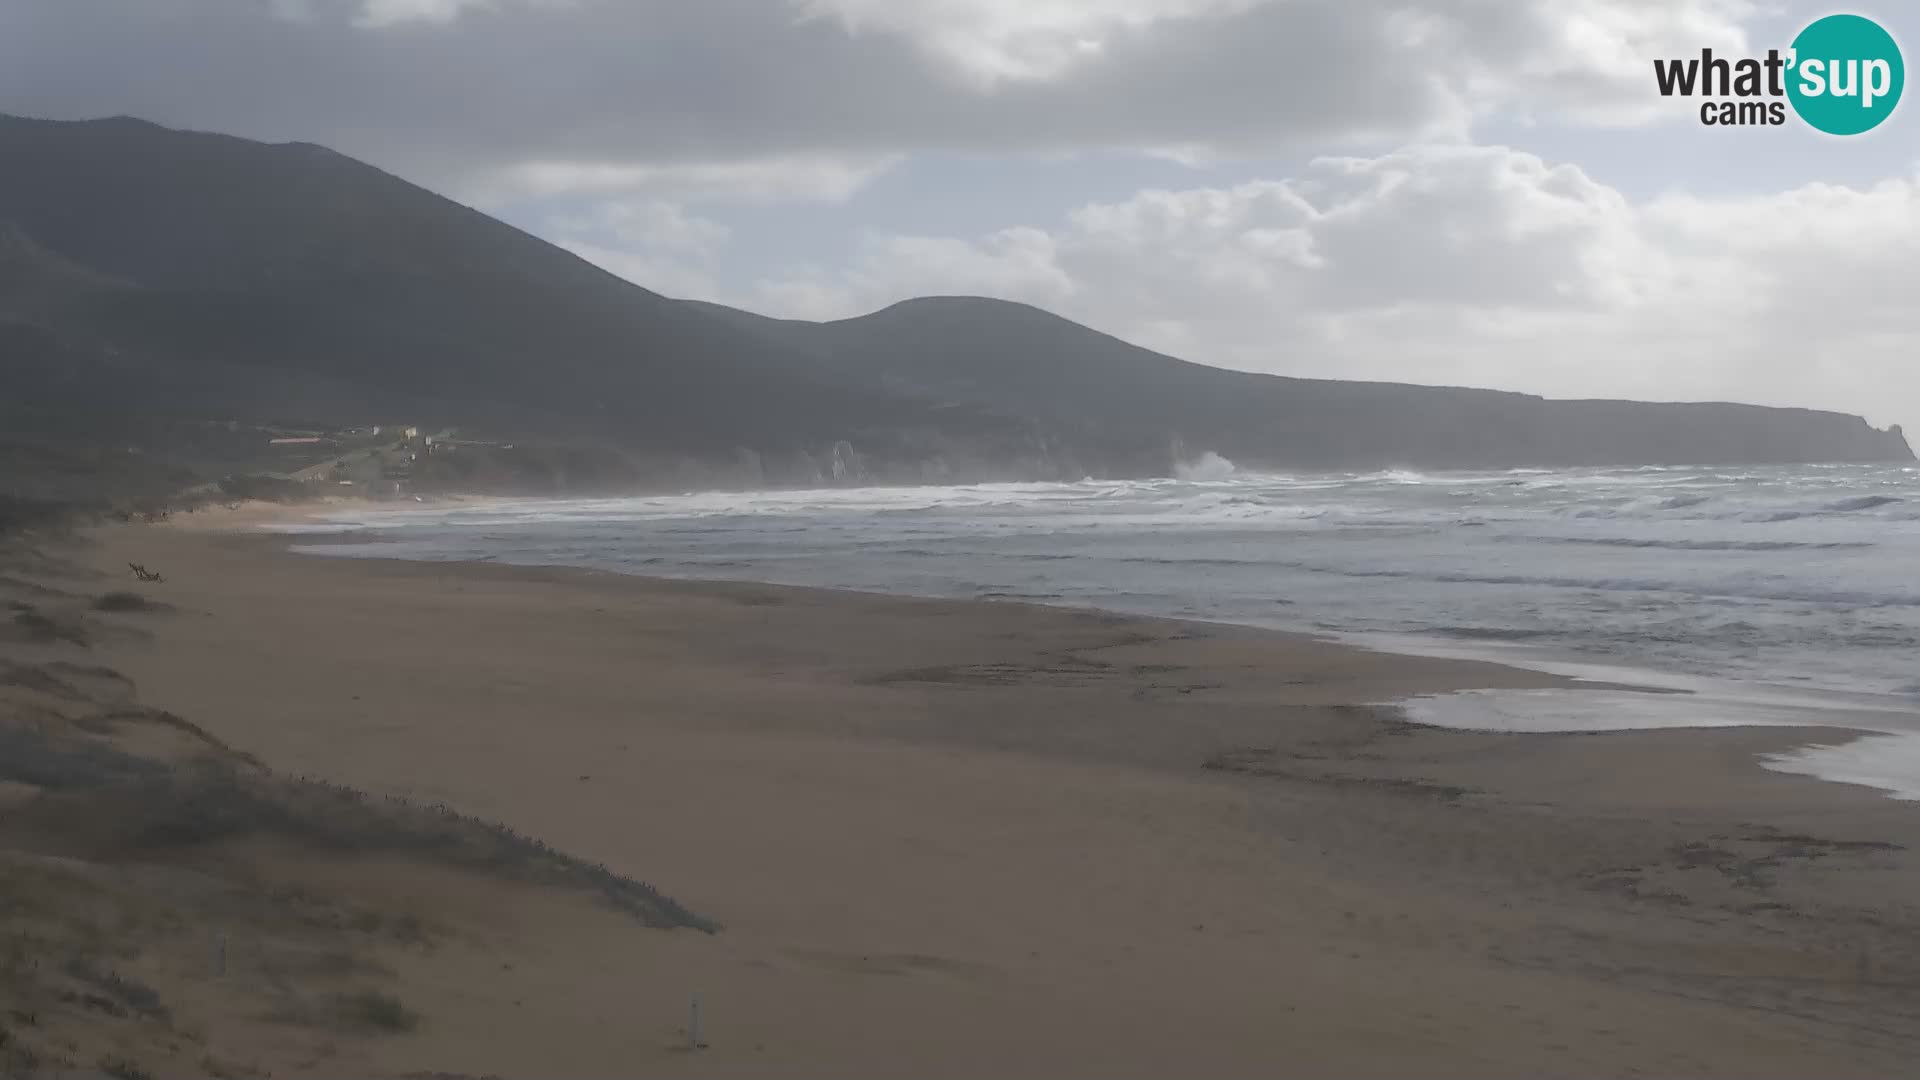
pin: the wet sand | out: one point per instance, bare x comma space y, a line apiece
966, 838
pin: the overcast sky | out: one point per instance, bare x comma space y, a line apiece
1478, 192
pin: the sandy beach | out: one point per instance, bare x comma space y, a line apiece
975, 838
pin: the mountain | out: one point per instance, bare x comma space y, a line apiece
148, 275
1017, 360
212, 274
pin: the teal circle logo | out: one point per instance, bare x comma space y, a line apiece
1846, 76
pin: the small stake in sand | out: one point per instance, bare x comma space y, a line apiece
694, 1041
219, 953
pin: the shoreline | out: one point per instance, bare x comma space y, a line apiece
1594, 698
958, 837
1546, 674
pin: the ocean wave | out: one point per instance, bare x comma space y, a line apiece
1695, 590
1694, 545
1699, 631
1725, 509
1844, 506
1646, 507
1494, 633
1864, 502
1175, 560
1208, 466
1683, 567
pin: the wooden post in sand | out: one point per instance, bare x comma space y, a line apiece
219, 954
694, 1041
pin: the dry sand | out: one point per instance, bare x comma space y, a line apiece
964, 838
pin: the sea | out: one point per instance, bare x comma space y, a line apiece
1767, 596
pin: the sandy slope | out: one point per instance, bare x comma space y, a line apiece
971, 838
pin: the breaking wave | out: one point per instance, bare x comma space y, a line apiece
1699, 545
1208, 466
1805, 576
1864, 502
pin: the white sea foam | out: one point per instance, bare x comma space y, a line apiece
1890, 763
1208, 466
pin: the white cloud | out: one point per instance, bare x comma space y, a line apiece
380, 13
657, 225
1471, 265
782, 178
1584, 60
993, 40
1588, 56
678, 278
656, 245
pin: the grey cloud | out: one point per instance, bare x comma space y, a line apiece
513, 81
